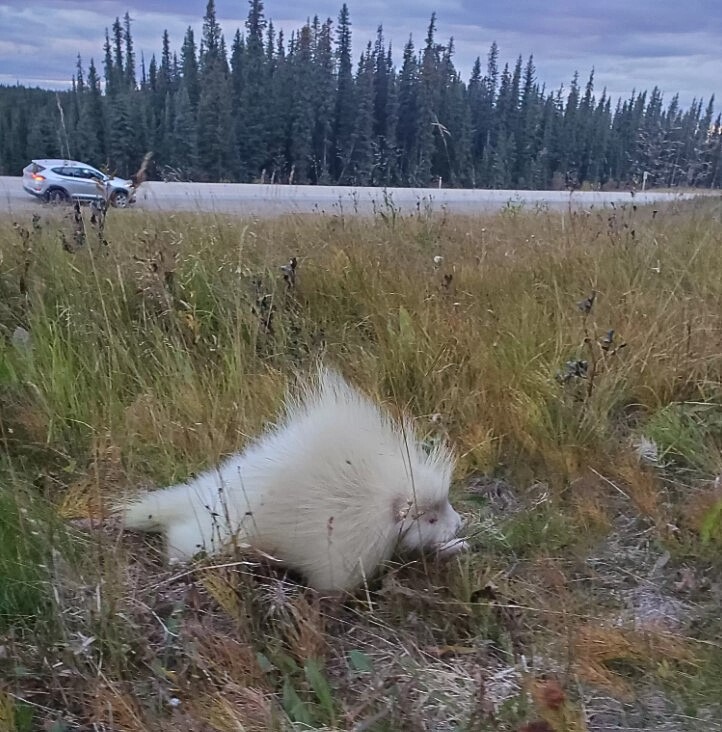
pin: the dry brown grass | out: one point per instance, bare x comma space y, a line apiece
598, 649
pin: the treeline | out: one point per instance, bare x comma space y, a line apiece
304, 110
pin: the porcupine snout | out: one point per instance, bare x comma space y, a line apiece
452, 545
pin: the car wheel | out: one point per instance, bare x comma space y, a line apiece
56, 195
120, 199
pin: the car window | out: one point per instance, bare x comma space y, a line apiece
84, 173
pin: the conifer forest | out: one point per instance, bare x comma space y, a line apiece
313, 109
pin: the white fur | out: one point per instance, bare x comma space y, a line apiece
331, 491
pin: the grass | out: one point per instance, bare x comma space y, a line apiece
140, 353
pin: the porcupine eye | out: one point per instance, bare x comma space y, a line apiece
433, 519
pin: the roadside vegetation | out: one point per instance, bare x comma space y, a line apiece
574, 361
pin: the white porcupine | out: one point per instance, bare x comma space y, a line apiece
331, 492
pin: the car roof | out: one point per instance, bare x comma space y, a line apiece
58, 161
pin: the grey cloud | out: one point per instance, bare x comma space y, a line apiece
629, 44
111, 9
568, 19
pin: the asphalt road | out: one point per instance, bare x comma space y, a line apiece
265, 200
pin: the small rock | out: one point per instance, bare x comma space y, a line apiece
21, 338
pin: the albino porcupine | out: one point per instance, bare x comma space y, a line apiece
331, 491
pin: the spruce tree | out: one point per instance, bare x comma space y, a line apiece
570, 159
302, 116
118, 65
388, 144
252, 137
217, 151
279, 112
527, 133
164, 83
183, 147
408, 118
108, 72
120, 135
189, 68
384, 112
363, 156
324, 98
129, 73
430, 132
345, 108
90, 122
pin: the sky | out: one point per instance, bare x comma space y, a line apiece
631, 44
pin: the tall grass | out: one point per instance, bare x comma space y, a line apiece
154, 354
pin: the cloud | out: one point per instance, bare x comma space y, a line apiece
630, 45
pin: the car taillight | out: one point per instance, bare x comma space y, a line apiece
38, 177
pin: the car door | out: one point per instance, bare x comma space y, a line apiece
66, 177
86, 182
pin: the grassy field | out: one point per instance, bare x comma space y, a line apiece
575, 363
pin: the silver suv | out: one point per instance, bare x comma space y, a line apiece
60, 180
